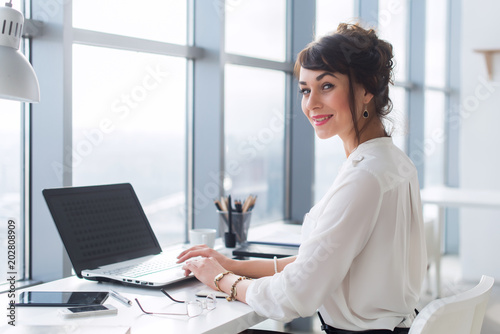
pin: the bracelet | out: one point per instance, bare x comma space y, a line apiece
275, 264
219, 277
233, 294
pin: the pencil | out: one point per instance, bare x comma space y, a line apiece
217, 205
223, 204
246, 204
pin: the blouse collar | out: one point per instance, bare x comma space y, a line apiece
368, 145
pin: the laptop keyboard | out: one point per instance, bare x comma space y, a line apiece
149, 267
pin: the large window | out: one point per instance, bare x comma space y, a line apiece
256, 28
254, 106
129, 125
436, 92
159, 20
254, 131
11, 181
393, 27
329, 13
129, 109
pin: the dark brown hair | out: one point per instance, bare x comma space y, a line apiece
359, 54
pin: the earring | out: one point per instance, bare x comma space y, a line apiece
365, 113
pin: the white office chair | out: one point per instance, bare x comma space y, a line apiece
459, 314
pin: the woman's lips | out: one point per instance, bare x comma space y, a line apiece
321, 119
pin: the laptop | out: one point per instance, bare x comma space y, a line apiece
108, 237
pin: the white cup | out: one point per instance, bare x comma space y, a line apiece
202, 236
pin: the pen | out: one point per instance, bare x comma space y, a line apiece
120, 298
230, 214
230, 237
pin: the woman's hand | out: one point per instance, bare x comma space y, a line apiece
205, 251
205, 269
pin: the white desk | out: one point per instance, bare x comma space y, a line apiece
228, 317
445, 197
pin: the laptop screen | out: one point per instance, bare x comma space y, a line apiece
101, 225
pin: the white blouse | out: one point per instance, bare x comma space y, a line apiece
362, 259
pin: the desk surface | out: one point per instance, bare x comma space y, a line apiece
459, 197
228, 317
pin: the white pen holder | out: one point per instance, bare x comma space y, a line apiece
240, 222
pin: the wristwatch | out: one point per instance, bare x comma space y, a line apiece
219, 277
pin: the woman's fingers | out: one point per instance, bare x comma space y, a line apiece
191, 249
200, 250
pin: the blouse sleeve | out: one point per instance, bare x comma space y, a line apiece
341, 231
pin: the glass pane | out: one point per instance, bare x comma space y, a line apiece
159, 20
256, 28
129, 125
433, 147
397, 120
393, 27
329, 13
11, 190
254, 137
435, 43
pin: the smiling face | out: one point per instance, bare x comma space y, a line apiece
325, 102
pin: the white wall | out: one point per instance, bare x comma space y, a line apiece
480, 137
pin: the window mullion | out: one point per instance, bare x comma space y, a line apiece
208, 114
95, 38
301, 133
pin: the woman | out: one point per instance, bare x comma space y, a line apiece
362, 259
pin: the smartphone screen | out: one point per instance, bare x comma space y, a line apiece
59, 298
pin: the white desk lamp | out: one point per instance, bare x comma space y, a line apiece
18, 80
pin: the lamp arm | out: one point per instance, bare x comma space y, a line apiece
32, 28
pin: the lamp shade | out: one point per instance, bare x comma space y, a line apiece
18, 80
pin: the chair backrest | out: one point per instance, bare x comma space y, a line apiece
459, 314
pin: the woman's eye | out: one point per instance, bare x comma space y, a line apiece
327, 86
304, 91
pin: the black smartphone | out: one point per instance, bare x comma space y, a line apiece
84, 311
62, 298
